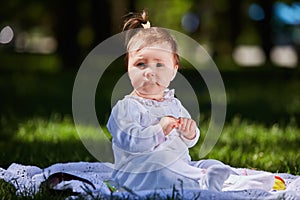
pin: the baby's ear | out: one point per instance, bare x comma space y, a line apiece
174, 72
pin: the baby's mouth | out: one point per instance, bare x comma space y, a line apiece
161, 84
158, 84
154, 82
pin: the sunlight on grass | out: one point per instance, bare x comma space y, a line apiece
38, 129
253, 145
274, 148
53, 130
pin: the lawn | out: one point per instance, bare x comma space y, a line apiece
42, 142
261, 129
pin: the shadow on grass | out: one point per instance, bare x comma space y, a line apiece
265, 95
43, 154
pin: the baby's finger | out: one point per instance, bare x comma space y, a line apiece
170, 127
183, 124
179, 120
189, 125
192, 125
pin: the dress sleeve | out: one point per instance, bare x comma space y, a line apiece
127, 131
188, 142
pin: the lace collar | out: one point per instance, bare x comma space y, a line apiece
168, 96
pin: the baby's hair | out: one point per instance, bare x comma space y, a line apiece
135, 20
138, 34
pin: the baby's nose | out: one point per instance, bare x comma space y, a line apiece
149, 73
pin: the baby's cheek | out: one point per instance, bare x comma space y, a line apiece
135, 76
165, 76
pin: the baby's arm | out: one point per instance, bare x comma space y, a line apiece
128, 134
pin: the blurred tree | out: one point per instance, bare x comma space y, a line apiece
65, 21
103, 16
66, 28
264, 27
80, 25
119, 8
219, 25
70, 20
101, 20
235, 20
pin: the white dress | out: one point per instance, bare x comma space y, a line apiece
144, 157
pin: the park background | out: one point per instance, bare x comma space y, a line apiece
255, 45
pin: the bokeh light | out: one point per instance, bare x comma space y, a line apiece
288, 14
284, 56
190, 22
6, 35
35, 43
249, 55
256, 12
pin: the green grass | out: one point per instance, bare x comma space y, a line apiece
252, 145
42, 142
45, 141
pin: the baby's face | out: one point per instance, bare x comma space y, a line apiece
151, 69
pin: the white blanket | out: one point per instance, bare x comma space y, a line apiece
89, 184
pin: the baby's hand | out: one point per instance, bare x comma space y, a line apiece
187, 127
168, 124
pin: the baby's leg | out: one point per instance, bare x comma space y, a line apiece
263, 180
205, 164
215, 177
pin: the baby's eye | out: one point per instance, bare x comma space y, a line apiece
141, 64
159, 65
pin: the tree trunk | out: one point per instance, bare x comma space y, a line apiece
265, 28
67, 26
235, 21
100, 19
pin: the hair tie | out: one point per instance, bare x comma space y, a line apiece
146, 25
